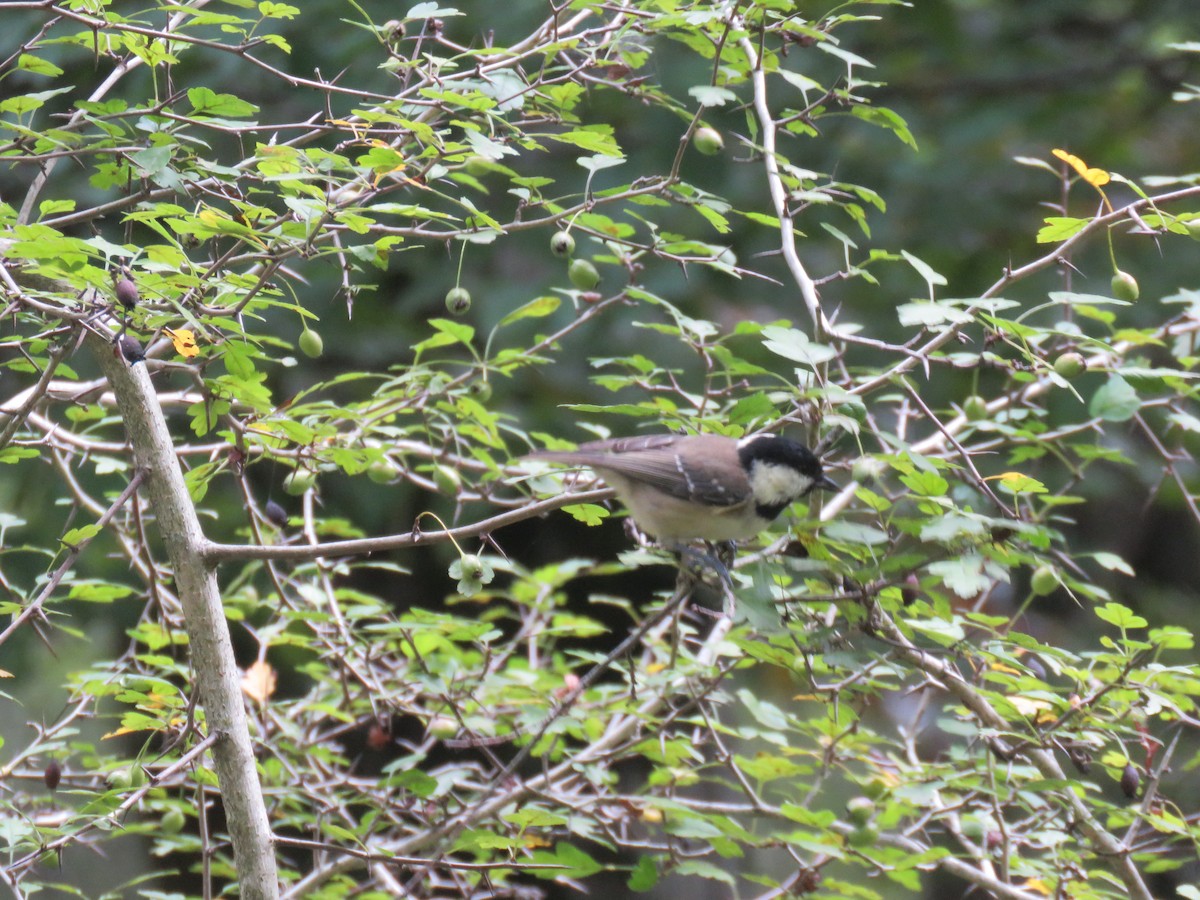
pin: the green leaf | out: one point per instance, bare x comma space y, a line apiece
1172, 638
430, 10
593, 138
599, 161
710, 95
460, 331
851, 59
790, 343
535, 817
927, 314
1113, 563
8, 520
965, 575
26, 103
703, 869
952, 527
1059, 228
855, 533
49, 208
1085, 300
945, 633
206, 102
1120, 616
11, 454
81, 535
1115, 401
927, 484
339, 833
644, 876
99, 591
152, 160
1186, 421
578, 864
885, 118
924, 269
750, 408
535, 309
37, 65
587, 513
278, 10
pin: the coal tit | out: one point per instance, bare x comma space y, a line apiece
706, 487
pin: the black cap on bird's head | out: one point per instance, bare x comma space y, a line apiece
780, 472
701, 486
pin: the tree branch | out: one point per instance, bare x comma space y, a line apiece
216, 671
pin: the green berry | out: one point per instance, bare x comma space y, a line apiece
867, 469
443, 727
121, 779
383, 472
1043, 581
1070, 365
173, 821
1125, 286
975, 408
562, 244
394, 31
458, 301
863, 836
481, 390
583, 274
860, 810
448, 480
298, 481
876, 787
708, 141
311, 343
472, 568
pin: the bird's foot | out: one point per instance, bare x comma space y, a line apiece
710, 569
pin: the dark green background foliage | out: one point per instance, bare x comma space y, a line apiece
898, 707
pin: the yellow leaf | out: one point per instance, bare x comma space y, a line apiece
1037, 886
211, 218
184, 341
1018, 483
1007, 670
1027, 707
259, 681
4, 673
1094, 177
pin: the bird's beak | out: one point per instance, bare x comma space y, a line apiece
827, 483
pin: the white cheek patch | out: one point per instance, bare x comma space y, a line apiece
777, 485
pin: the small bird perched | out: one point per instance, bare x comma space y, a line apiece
701, 487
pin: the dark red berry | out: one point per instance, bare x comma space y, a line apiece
52, 775
131, 349
127, 293
275, 514
1130, 781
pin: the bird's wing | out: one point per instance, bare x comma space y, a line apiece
654, 460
